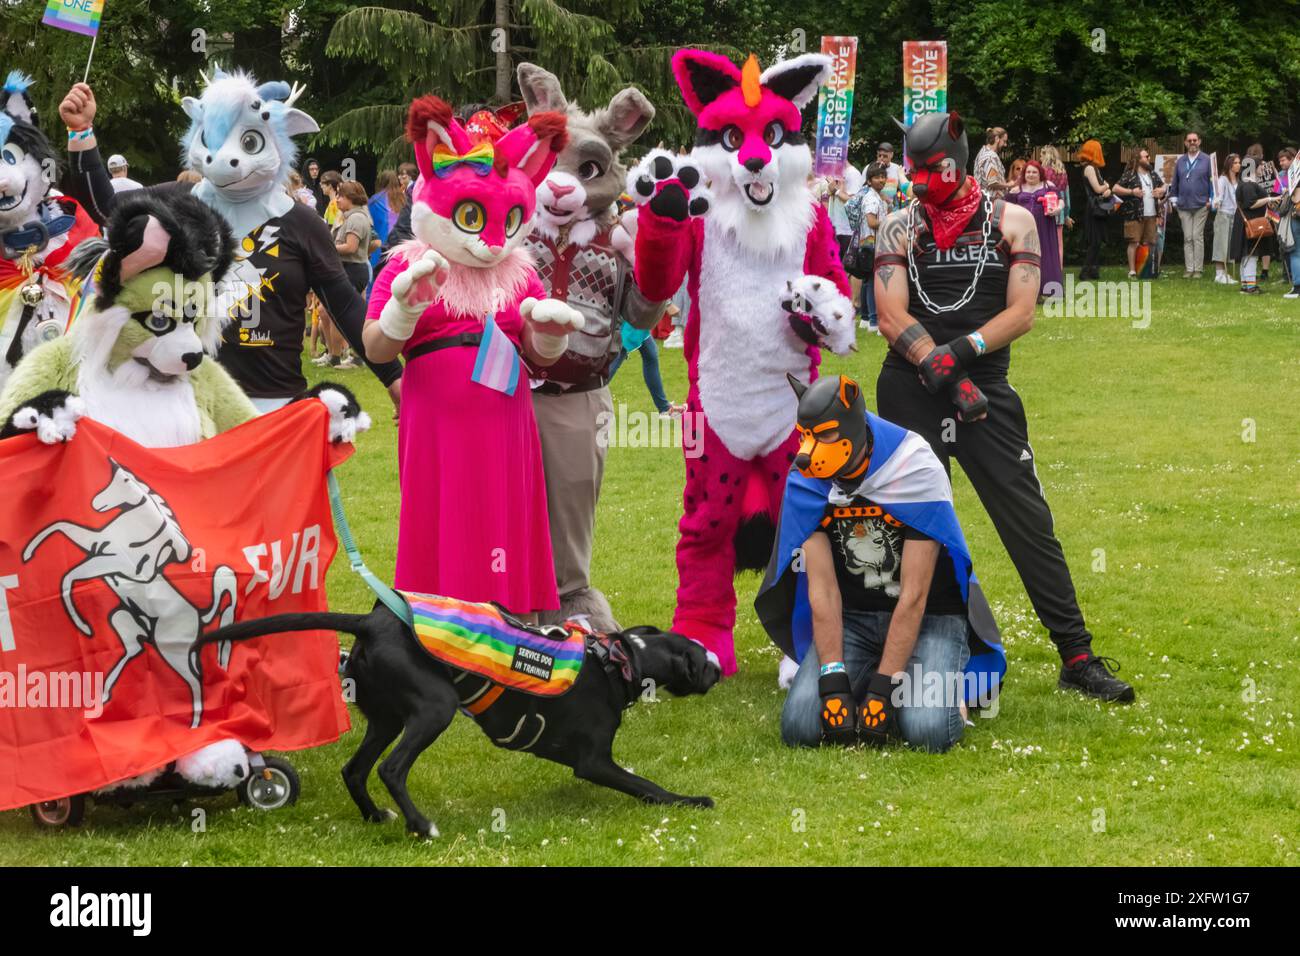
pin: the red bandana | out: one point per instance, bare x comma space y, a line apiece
948, 221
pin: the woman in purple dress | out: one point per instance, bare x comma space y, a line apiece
1035, 191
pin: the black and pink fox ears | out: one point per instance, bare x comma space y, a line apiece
799, 79
703, 77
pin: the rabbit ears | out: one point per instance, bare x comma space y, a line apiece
531, 148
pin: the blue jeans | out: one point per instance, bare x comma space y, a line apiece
932, 722
867, 299
1293, 257
654, 382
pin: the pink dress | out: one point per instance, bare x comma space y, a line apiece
473, 521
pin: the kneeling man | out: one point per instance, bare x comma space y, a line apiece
870, 587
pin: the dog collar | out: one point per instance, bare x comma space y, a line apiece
618, 657
38, 232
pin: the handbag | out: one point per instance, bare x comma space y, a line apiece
1257, 228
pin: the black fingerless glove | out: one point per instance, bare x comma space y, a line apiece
839, 724
877, 720
946, 363
970, 401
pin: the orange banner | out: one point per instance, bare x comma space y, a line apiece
115, 557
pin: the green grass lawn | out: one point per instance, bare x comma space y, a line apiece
1184, 540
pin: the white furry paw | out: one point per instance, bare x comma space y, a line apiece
786, 672
416, 285
671, 185
223, 764
53, 416
347, 420
820, 314
552, 312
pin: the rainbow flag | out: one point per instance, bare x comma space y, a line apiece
925, 78
835, 106
79, 16
481, 639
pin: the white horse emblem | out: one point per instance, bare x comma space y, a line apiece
129, 555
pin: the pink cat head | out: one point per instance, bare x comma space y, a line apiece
749, 124
476, 197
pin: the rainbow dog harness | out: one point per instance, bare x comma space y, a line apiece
482, 639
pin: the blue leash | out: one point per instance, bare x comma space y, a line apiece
391, 599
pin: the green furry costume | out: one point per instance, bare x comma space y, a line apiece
139, 353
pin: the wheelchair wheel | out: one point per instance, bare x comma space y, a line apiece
276, 785
65, 812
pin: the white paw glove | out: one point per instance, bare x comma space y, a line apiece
671, 185
414, 289
551, 321
53, 417
819, 314
347, 420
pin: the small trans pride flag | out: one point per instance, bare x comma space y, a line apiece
79, 16
497, 364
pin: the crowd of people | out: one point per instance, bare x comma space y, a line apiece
1243, 209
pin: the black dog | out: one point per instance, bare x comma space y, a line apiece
402, 689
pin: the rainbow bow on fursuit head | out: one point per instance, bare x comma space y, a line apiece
478, 160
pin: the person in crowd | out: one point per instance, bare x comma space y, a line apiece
1252, 198
1265, 173
837, 192
867, 210
1036, 193
1225, 213
354, 233
1014, 171
1191, 192
386, 207
1292, 223
1099, 195
407, 174
298, 190
120, 173
989, 171
642, 341
895, 189
311, 179
329, 184
1141, 188
1283, 183
1049, 157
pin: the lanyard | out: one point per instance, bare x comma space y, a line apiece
391, 599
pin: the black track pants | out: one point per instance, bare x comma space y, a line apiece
996, 457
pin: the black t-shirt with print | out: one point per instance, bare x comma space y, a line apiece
275, 267
867, 549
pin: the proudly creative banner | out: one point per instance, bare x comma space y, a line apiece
79, 16
114, 558
835, 106
925, 78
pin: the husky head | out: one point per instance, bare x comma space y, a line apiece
749, 144
154, 312
241, 134
476, 197
580, 191
28, 165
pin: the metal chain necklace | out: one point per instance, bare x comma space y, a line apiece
912, 212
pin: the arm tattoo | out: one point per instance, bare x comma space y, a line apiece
1028, 273
1031, 243
893, 234
914, 343
886, 273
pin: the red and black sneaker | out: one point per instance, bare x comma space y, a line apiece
1095, 677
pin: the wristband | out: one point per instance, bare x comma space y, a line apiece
834, 667
76, 134
978, 341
